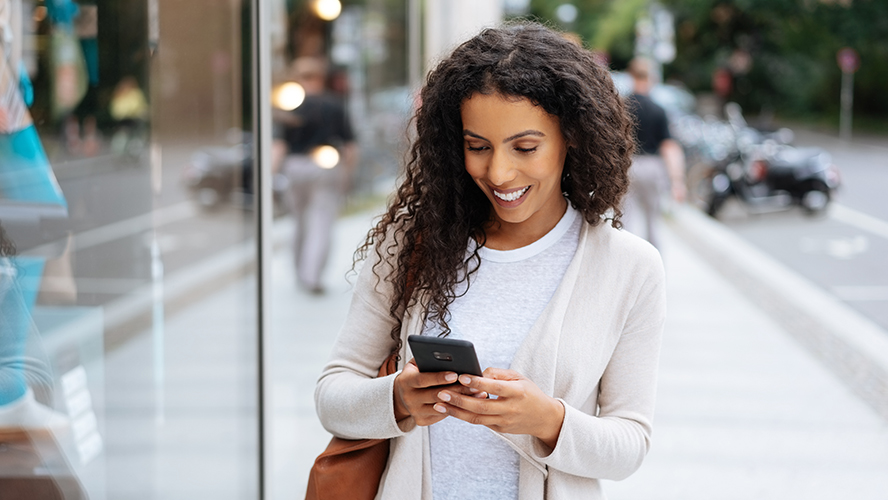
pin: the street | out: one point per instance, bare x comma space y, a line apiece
843, 251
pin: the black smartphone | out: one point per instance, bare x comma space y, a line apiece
436, 354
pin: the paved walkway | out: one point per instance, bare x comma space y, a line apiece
743, 410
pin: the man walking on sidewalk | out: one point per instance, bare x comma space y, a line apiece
318, 182
657, 155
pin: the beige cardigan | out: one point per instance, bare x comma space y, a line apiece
595, 347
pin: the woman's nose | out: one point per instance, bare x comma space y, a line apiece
501, 170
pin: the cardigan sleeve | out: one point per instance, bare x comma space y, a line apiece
350, 401
613, 443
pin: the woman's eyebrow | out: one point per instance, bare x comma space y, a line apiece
507, 139
472, 134
522, 134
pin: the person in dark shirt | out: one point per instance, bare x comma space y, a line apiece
657, 155
320, 153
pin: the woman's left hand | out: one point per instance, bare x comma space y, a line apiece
520, 407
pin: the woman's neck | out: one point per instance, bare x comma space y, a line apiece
509, 236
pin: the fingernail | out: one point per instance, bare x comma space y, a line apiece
450, 377
443, 396
440, 409
473, 390
465, 380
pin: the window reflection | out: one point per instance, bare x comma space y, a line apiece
128, 332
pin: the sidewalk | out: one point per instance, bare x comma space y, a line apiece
744, 411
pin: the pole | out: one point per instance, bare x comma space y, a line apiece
414, 44
847, 101
261, 60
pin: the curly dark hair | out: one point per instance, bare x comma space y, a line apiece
438, 206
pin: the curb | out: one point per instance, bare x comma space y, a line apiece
852, 346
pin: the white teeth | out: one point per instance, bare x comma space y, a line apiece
514, 195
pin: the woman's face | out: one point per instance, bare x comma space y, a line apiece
515, 153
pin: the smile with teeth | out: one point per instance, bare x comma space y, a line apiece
514, 195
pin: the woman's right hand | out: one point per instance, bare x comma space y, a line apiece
416, 393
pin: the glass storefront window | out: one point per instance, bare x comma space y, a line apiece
128, 336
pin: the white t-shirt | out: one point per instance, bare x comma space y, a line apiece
507, 294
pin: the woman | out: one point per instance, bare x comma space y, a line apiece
505, 232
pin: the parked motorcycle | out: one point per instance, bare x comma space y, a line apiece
764, 171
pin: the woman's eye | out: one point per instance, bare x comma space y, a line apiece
526, 150
476, 148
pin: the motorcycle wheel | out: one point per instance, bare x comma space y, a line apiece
815, 198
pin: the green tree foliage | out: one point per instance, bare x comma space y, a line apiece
792, 47
604, 25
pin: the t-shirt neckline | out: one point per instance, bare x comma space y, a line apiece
538, 246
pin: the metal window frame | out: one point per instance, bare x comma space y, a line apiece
264, 205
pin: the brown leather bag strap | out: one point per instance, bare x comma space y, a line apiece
389, 366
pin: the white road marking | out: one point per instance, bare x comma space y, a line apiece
861, 293
859, 220
838, 248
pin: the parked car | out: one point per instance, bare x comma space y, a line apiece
223, 175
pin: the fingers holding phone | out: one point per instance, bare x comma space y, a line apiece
520, 407
415, 393
437, 363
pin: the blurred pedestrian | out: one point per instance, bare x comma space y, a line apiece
321, 154
659, 160
129, 110
24, 370
504, 232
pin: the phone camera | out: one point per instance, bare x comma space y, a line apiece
442, 356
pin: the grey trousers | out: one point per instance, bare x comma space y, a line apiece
314, 198
641, 208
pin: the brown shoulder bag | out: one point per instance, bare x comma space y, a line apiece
351, 469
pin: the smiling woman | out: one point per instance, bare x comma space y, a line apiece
505, 232
520, 173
